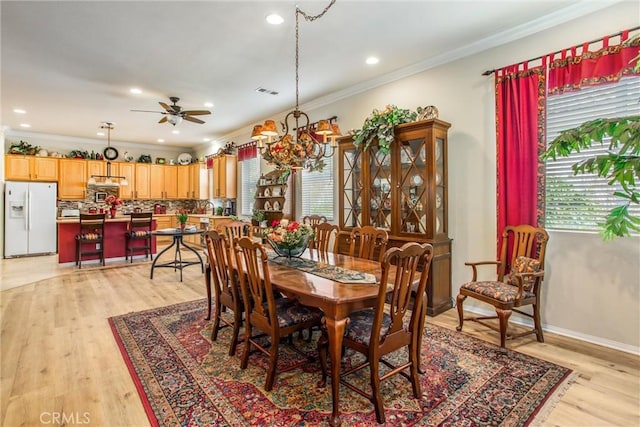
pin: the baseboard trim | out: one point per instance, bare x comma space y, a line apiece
522, 321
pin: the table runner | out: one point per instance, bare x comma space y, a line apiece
325, 270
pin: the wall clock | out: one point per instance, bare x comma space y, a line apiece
110, 153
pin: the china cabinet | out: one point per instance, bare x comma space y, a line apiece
404, 192
274, 196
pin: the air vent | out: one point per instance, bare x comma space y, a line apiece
267, 91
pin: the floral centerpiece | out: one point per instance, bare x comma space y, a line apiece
182, 215
114, 201
380, 125
288, 239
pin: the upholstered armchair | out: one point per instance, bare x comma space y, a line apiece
520, 271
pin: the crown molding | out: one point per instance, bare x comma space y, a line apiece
551, 20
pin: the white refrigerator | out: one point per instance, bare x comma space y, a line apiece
30, 210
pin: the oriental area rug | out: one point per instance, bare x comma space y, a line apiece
186, 379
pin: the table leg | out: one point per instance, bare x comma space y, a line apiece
178, 257
197, 254
153, 264
335, 331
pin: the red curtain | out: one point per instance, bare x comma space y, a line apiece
606, 65
520, 128
247, 151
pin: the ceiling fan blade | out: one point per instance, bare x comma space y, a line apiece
162, 120
166, 107
193, 119
149, 111
196, 112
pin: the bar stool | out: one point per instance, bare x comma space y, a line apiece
91, 232
139, 229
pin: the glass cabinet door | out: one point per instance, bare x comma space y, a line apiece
352, 194
413, 186
380, 189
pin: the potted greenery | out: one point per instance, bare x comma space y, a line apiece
258, 218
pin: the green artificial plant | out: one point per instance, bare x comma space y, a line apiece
380, 125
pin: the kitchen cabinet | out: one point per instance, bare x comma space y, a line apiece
225, 176
164, 222
127, 170
163, 182
199, 182
184, 181
96, 167
72, 181
142, 187
404, 192
30, 168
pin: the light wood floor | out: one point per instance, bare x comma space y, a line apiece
58, 354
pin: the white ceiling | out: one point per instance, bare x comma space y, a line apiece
71, 64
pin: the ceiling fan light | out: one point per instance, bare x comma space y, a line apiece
174, 120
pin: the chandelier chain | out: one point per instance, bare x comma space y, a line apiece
309, 18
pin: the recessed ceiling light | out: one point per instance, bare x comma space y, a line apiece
25, 125
372, 60
135, 91
208, 104
175, 132
206, 139
19, 111
275, 19
161, 140
100, 133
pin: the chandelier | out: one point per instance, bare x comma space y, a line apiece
110, 153
308, 145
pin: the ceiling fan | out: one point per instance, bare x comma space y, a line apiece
174, 113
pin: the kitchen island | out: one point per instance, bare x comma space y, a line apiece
114, 239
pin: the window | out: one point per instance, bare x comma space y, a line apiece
317, 191
581, 202
250, 170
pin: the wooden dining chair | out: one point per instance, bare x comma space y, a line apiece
237, 229
325, 234
314, 220
90, 238
139, 229
275, 317
389, 326
518, 282
225, 286
367, 241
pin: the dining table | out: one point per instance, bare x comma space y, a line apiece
336, 297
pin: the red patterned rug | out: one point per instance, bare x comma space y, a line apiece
185, 379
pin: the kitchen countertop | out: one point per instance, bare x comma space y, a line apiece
126, 218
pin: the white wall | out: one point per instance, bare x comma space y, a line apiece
592, 287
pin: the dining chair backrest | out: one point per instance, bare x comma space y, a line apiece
221, 262
366, 241
314, 220
255, 283
237, 229
325, 234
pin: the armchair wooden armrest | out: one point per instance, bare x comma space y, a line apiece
475, 265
